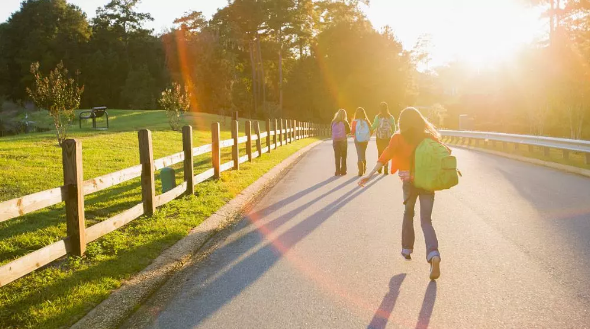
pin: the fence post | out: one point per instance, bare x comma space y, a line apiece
268, 134
73, 181
295, 137
249, 140
274, 137
189, 172
146, 157
281, 132
258, 142
215, 150
290, 132
235, 150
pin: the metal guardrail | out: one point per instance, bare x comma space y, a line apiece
547, 143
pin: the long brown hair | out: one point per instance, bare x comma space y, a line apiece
340, 115
361, 114
414, 127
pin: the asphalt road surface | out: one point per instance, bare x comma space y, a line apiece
320, 252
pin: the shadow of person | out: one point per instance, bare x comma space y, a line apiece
382, 314
427, 306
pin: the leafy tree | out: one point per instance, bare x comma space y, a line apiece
57, 93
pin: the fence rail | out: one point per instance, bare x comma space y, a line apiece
74, 189
546, 143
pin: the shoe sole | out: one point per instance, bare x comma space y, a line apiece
434, 268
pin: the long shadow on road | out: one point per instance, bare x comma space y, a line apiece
427, 306
384, 311
226, 286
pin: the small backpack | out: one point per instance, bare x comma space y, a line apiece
362, 133
385, 130
434, 167
338, 131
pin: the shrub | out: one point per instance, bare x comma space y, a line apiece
58, 94
176, 101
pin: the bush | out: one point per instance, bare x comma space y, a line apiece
57, 93
176, 101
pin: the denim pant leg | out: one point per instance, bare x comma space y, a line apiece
337, 154
361, 150
426, 205
408, 237
343, 155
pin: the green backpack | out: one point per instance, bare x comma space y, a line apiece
435, 168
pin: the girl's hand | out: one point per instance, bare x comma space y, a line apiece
363, 181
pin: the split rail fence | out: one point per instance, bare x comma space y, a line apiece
75, 188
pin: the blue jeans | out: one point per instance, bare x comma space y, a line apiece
361, 150
411, 194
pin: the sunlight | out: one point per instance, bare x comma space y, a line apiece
479, 32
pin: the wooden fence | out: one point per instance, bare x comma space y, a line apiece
75, 188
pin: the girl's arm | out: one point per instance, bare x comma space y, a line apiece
375, 123
353, 127
383, 158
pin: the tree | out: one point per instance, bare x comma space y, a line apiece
57, 93
44, 31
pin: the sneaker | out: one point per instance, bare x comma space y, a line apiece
337, 173
406, 256
434, 267
343, 173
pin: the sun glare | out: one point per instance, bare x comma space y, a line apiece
479, 32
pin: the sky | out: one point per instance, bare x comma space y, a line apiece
477, 31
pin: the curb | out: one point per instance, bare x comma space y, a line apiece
553, 165
124, 301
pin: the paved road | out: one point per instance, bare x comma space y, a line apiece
320, 252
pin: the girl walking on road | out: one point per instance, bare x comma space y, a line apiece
384, 127
340, 129
361, 130
413, 129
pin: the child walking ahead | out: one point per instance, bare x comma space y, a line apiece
413, 129
361, 131
340, 129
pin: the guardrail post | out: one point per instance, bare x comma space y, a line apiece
258, 141
505, 146
268, 134
235, 150
546, 151
516, 146
215, 149
274, 137
148, 186
189, 171
566, 154
249, 140
588, 158
73, 182
531, 149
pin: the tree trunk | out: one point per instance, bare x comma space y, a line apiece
280, 73
254, 80
262, 77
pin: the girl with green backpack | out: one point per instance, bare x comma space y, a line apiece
413, 130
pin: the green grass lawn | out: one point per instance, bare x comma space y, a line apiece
60, 294
575, 159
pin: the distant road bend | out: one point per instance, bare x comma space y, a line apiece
320, 252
